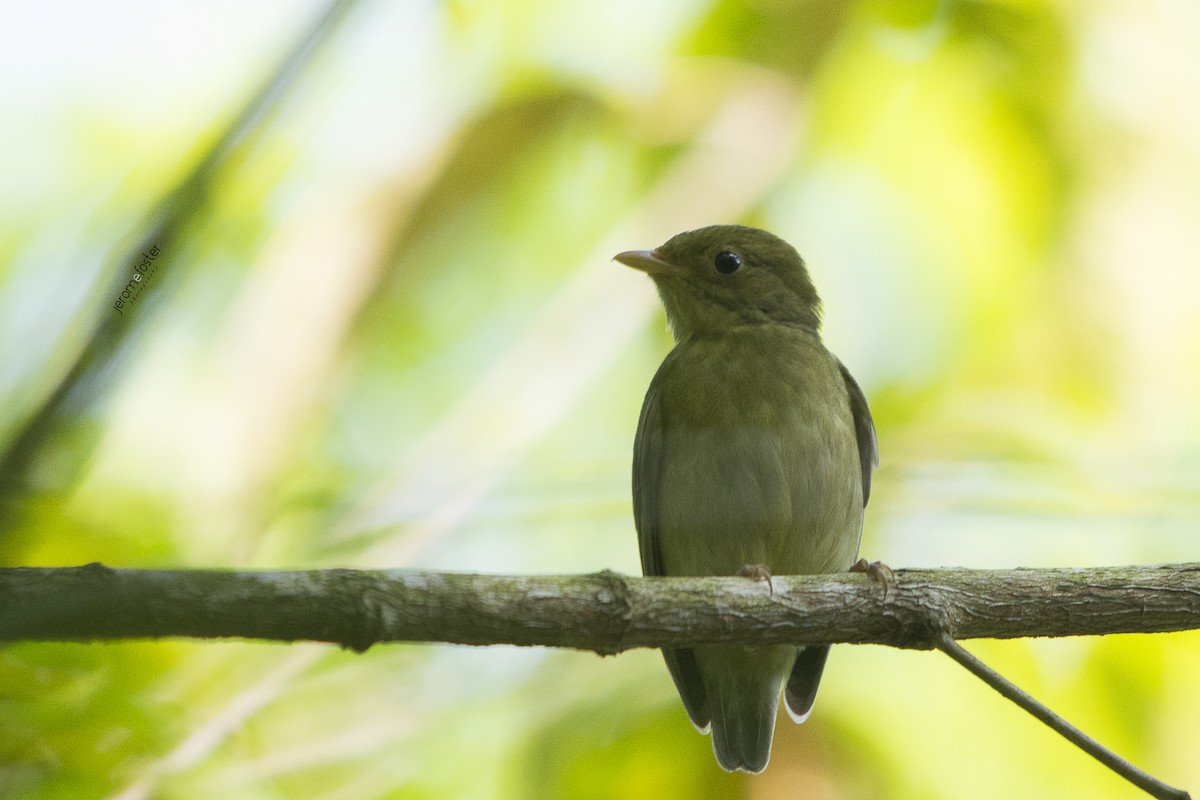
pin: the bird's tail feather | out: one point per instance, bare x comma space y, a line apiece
743, 701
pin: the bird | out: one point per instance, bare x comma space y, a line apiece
754, 456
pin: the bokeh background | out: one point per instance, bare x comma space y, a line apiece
384, 331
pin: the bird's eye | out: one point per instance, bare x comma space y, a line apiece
727, 262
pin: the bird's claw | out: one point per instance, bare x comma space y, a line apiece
879, 572
758, 572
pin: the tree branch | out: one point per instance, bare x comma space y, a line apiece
607, 613
603, 612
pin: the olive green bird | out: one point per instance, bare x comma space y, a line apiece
753, 456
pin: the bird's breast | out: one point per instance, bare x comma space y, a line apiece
760, 461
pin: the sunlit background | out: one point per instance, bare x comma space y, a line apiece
388, 334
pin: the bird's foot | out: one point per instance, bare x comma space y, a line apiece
880, 572
758, 572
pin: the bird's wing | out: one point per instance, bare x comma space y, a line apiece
864, 431
801, 690
647, 476
648, 459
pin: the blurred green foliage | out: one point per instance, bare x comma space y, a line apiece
388, 335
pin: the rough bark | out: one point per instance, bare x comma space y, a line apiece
604, 612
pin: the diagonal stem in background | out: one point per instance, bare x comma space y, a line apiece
1144, 781
91, 370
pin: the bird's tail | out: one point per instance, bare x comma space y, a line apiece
743, 687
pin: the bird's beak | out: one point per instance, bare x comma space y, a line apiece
648, 261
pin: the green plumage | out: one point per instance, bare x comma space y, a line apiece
755, 447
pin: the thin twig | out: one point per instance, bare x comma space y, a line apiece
1147, 783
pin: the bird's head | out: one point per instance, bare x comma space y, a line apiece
723, 276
